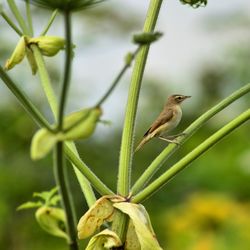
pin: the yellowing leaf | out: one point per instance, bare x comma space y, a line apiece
42, 142
17, 55
132, 242
142, 225
104, 240
52, 220
100, 212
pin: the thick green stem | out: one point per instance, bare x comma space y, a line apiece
185, 161
24, 100
60, 173
133, 96
10, 22
117, 79
18, 17
67, 70
51, 20
46, 83
123, 184
171, 148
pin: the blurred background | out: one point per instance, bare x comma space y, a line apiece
204, 53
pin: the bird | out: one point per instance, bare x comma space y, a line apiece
167, 120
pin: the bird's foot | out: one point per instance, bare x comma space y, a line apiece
170, 140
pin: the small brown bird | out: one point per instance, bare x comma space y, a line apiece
168, 119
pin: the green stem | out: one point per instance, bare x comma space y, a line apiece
45, 79
117, 79
60, 173
18, 17
100, 187
123, 184
24, 100
125, 161
12, 25
51, 20
46, 83
171, 148
67, 69
29, 18
180, 165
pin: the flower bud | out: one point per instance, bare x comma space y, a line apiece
146, 37
18, 54
49, 45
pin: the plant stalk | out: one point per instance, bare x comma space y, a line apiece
194, 154
11, 24
125, 161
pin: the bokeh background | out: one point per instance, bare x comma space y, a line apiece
204, 53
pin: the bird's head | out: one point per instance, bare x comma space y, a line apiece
177, 99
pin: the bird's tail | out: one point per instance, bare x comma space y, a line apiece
143, 141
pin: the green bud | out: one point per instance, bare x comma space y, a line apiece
52, 220
49, 45
129, 58
146, 37
81, 124
78, 125
18, 54
195, 3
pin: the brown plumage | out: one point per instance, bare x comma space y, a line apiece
168, 119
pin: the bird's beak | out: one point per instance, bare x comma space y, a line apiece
187, 96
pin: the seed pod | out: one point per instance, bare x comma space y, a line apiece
18, 54
49, 45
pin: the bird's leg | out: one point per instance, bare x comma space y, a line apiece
168, 140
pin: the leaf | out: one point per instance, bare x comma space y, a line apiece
142, 225
42, 143
52, 220
106, 239
100, 212
30, 204
50, 197
31, 60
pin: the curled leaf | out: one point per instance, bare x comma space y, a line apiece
142, 226
52, 220
99, 213
17, 55
106, 239
49, 45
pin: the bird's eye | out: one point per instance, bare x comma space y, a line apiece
179, 97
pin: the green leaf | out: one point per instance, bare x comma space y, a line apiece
30, 204
52, 220
106, 239
142, 224
146, 37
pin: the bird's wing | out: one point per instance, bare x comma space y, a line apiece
164, 117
